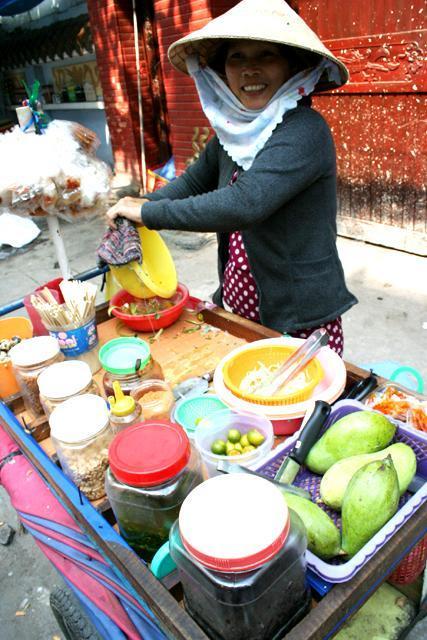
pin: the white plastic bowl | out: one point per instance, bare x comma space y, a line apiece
217, 425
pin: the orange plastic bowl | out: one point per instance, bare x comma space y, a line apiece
10, 327
152, 321
236, 368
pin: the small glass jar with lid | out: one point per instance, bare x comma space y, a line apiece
29, 359
81, 433
153, 467
124, 411
129, 361
64, 380
240, 555
155, 398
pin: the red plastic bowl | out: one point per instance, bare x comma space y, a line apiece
152, 321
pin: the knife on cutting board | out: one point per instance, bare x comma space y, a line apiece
308, 436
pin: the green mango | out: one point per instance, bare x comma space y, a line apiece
371, 499
356, 433
336, 479
322, 534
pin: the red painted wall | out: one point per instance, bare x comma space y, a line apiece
113, 35
174, 19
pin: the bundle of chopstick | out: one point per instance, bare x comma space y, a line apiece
76, 311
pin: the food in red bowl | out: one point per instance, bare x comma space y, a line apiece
149, 314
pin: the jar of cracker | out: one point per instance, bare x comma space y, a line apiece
64, 380
81, 433
29, 359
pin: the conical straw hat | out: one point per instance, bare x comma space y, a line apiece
267, 20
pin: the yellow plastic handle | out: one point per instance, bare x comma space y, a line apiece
119, 395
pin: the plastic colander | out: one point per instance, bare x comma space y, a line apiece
189, 412
156, 276
246, 360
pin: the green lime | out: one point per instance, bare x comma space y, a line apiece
229, 446
234, 435
249, 448
244, 440
255, 437
238, 447
218, 447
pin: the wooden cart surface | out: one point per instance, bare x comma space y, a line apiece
194, 346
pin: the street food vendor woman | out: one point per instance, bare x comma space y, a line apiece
266, 181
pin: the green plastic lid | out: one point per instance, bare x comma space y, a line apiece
121, 355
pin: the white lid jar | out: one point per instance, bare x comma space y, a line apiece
81, 432
64, 380
29, 358
240, 557
224, 538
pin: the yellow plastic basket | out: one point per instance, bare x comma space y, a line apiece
236, 368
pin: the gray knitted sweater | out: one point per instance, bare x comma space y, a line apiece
285, 207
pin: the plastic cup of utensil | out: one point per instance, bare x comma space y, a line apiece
74, 341
38, 327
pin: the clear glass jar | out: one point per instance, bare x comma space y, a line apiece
146, 492
124, 411
64, 380
118, 423
256, 603
156, 399
129, 361
29, 359
81, 434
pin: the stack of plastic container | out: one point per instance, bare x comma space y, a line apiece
286, 418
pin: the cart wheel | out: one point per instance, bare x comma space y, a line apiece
70, 617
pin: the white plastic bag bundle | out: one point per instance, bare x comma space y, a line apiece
54, 173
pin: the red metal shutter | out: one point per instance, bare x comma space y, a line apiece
378, 119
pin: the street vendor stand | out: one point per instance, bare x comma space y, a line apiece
193, 346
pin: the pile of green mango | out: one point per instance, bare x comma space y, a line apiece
363, 476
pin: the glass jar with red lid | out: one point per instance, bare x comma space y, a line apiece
240, 555
129, 361
153, 467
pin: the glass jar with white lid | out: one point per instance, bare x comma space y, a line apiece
240, 555
81, 433
64, 380
29, 358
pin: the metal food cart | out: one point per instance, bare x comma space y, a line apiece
183, 355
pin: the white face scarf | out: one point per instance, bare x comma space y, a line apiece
243, 132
